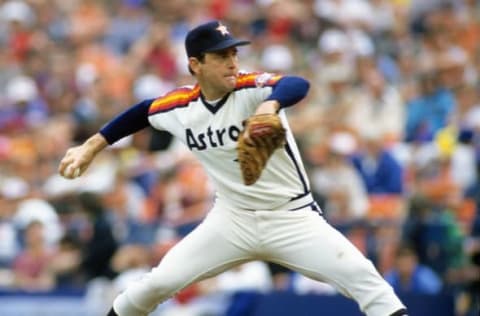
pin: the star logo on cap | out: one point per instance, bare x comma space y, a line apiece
222, 29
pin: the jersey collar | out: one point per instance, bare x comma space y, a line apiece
213, 108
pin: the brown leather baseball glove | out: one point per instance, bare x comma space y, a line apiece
262, 134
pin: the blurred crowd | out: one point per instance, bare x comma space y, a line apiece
390, 134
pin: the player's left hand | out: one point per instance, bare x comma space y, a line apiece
263, 134
266, 107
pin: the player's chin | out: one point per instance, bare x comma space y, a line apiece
230, 82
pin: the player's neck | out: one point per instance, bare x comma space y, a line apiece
213, 99
211, 93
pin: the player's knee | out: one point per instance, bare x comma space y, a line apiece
163, 290
165, 286
364, 275
359, 270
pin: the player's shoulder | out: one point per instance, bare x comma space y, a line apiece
256, 79
179, 97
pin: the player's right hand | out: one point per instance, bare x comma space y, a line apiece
73, 163
78, 158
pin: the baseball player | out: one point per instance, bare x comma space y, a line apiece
274, 219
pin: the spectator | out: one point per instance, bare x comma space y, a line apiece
430, 111
380, 170
67, 66
410, 277
65, 264
99, 244
37, 209
435, 233
25, 108
31, 266
463, 163
130, 22
339, 182
379, 105
12, 190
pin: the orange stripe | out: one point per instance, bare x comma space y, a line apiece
249, 80
246, 79
175, 98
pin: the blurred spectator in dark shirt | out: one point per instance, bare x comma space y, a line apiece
65, 264
435, 234
100, 245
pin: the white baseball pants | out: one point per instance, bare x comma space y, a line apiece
301, 240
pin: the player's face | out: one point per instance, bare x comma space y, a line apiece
217, 74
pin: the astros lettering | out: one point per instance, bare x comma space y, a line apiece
211, 138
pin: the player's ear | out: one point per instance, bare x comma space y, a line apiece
193, 65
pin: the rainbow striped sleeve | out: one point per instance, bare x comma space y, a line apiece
180, 97
255, 79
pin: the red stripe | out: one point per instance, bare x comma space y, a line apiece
173, 99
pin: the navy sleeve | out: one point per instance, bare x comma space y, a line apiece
128, 122
289, 90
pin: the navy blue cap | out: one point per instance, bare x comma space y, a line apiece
210, 37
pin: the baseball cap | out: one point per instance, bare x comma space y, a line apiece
210, 37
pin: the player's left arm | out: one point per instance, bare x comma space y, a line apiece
264, 132
286, 92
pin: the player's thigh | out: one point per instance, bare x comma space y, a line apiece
320, 252
315, 249
207, 251
212, 247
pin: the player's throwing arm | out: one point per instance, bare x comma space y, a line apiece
77, 159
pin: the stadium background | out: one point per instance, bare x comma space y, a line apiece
389, 132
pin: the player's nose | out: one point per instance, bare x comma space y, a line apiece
231, 60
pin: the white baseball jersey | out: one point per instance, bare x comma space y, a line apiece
293, 235
211, 132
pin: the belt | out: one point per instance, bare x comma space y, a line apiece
298, 204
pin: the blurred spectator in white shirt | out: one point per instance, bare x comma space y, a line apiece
339, 182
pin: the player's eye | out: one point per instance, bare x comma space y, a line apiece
227, 53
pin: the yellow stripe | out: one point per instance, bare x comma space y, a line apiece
176, 97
